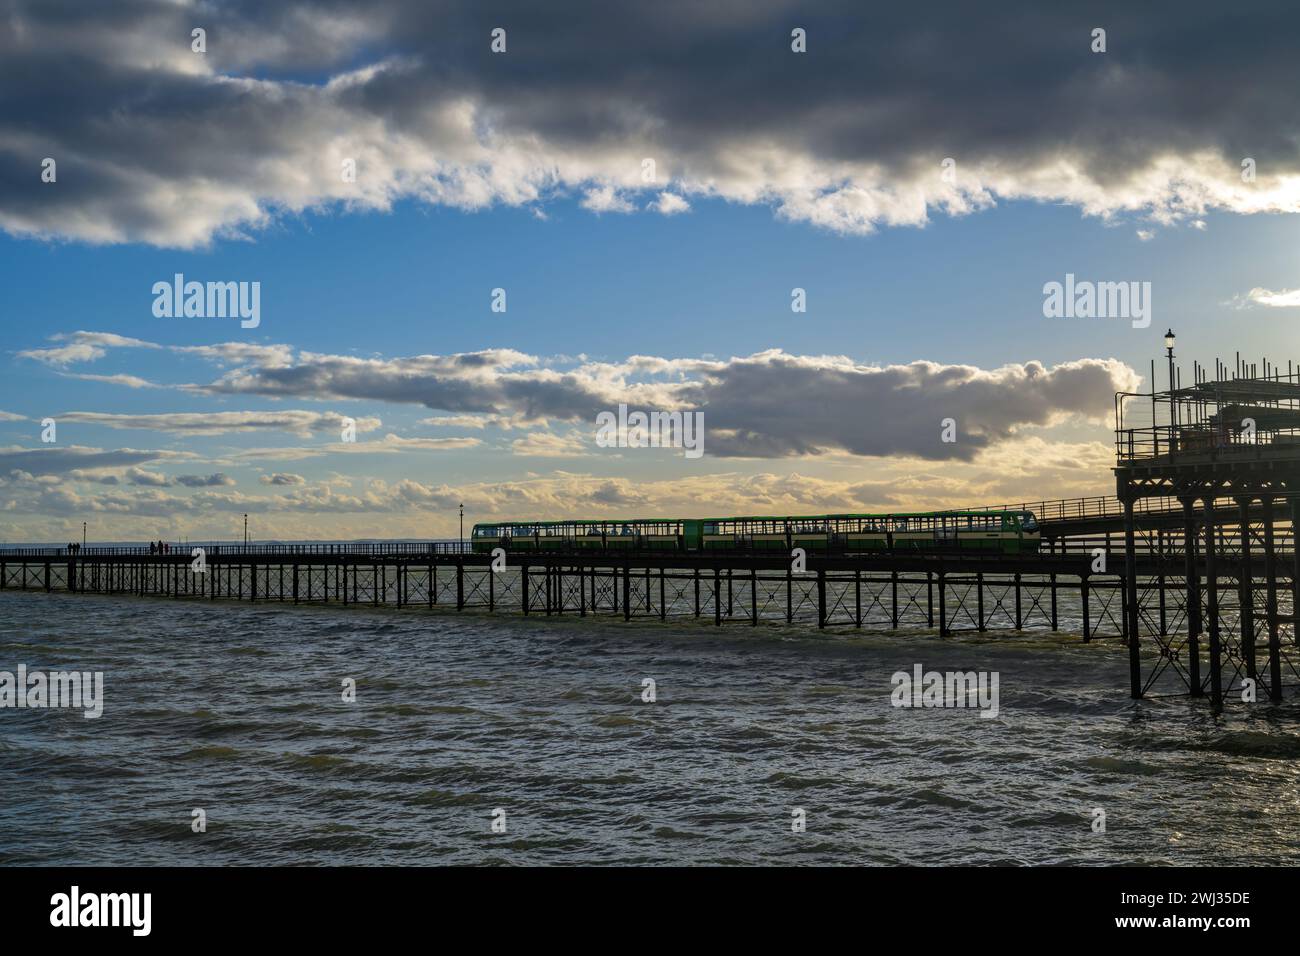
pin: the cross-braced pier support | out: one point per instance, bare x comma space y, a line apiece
945, 594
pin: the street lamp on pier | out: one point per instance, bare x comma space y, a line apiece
1173, 401
245, 530
462, 526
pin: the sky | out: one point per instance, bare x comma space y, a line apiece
920, 179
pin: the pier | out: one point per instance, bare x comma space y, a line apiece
1192, 565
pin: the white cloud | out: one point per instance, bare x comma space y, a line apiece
548, 445
670, 204
1283, 299
605, 199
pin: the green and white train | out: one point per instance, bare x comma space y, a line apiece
1013, 532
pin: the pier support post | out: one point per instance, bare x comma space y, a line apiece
893, 603
929, 598
1087, 611
1245, 598
1270, 604
460, 584
1020, 617
821, 597
717, 595
753, 597
1055, 619
1160, 583
857, 597
663, 605
979, 601
943, 605
789, 595
1212, 605
1193, 576
1131, 597
295, 583
523, 584
627, 592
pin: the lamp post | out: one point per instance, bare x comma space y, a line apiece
246, 531
1173, 402
83, 534
462, 526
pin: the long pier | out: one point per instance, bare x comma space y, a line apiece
1072, 586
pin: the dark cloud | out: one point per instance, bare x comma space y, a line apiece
217, 480
768, 405
157, 143
61, 460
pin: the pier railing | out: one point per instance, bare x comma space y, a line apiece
1097, 506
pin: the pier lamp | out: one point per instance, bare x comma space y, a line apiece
83, 534
245, 530
462, 526
1173, 402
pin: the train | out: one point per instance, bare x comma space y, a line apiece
1012, 532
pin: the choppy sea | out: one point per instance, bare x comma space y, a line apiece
464, 720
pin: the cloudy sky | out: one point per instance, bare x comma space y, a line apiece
647, 183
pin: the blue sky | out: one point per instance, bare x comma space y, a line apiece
715, 280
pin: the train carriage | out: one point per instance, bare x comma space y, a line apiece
1002, 531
